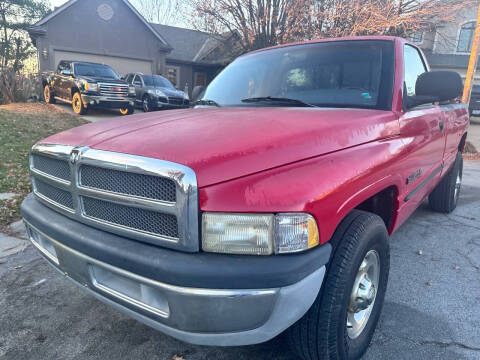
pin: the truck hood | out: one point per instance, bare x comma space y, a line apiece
94, 79
220, 144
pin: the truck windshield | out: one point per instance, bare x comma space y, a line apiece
95, 70
357, 74
157, 81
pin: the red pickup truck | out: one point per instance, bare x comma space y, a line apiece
266, 209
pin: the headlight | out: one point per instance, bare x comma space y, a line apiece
159, 93
258, 234
91, 86
131, 90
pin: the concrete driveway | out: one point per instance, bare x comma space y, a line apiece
432, 308
93, 115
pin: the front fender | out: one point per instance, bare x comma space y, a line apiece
328, 186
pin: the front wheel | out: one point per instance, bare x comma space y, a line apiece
127, 111
341, 322
147, 104
77, 104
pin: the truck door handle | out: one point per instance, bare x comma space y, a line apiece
440, 125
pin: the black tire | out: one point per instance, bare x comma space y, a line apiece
147, 104
47, 95
129, 110
77, 104
444, 197
322, 332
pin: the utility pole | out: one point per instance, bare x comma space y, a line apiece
472, 65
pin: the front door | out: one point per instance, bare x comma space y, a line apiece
138, 83
422, 129
62, 81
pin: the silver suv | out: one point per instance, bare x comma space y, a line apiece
154, 92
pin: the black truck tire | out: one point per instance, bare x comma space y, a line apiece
444, 197
325, 332
77, 104
47, 95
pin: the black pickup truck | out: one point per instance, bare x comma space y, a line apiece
86, 85
474, 108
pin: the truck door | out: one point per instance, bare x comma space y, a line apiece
422, 130
62, 80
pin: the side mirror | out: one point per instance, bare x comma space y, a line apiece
435, 86
66, 72
197, 92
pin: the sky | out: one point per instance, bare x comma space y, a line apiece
57, 2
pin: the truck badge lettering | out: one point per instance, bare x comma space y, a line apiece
415, 175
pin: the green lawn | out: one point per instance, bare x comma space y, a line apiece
21, 126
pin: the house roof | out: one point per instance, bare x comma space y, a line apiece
69, 3
186, 43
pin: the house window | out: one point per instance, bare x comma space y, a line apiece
416, 37
465, 40
200, 79
173, 74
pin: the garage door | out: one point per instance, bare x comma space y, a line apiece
121, 65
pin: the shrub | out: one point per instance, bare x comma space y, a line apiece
16, 87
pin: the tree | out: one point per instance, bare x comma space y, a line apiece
333, 18
15, 17
159, 11
260, 23
269, 22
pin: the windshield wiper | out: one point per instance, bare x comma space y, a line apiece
277, 100
207, 102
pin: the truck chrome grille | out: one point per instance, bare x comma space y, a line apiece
121, 182
57, 196
54, 167
107, 89
145, 199
133, 218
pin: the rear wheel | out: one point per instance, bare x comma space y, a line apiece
47, 95
77, 104
127, 111
341, 322
444, 197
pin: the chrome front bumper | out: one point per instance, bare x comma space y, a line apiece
222, 317
111, 101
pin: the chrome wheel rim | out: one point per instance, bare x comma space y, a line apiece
145, 105
363, 294
458, 184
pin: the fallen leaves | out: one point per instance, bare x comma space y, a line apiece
22, 125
